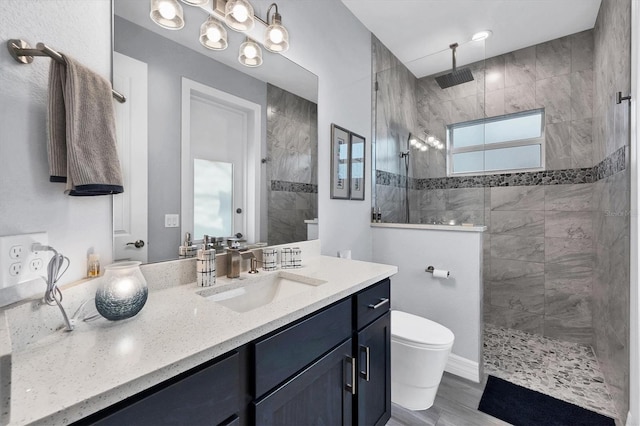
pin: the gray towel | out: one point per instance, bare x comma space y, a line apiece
82, 143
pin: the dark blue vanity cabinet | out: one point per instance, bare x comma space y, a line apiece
331, 367
344, 352
206, 395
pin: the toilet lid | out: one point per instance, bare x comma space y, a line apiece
418, 330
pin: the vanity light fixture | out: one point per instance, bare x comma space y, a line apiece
213, 35
250, 54
276, 37
481, 35
167, 13
238, 15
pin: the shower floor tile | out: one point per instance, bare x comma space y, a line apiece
567, 371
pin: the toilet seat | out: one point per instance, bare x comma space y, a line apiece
418, 331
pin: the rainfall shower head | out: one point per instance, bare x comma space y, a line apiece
456, 76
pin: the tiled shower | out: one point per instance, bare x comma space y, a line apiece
556, 252
292, 158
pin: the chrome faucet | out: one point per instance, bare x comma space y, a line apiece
234, 261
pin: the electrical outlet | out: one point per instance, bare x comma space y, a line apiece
171, 220
15, 268
18, 262
36, 264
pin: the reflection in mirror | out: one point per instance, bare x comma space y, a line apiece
283, 161
212, 197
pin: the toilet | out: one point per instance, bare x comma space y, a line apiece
419, 352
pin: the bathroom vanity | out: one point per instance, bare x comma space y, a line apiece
330, 367
321, 356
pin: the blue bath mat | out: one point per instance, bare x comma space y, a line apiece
525, 407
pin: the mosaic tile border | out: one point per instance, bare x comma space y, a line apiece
611, 165
282, 185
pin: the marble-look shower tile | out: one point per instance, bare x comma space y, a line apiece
519, 98
577, 330
431, 91
517, 198
581, 50
517, 285
558, 146
560, 224
522, 223
569, 198
284, 164
553, 58
465, 199
520, 67
464, 109
516, 247
494, 73
581, 143
568, 292
582, 94
282, 200
475, 217
516, 319
577, 252
554, 94
494, 103
432, 199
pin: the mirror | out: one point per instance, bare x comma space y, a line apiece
193, 115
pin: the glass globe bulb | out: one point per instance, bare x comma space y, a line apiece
240, 12
214, 34
276, 36
250, 52
413, 141
167, 10
423, 148
431, 139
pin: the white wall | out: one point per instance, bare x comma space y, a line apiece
456, 302
28, 201
329, 41
325, 38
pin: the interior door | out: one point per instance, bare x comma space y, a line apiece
130, 207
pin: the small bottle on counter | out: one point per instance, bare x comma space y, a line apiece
93, 266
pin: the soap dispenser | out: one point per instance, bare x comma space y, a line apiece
206, 264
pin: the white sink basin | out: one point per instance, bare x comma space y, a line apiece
256, 292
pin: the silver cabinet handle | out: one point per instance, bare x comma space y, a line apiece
137, 244
351, 387
367, 354
377, 305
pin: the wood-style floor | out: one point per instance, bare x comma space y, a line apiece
456, 404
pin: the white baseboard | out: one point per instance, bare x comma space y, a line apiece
463, 367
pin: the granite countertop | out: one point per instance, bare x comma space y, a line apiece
67, 376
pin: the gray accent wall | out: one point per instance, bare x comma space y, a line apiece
611, 319
167, 63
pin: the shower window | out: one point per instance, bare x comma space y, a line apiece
513, 142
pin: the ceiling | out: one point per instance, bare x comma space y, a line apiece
419, 32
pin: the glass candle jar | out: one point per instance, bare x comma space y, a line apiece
122, 292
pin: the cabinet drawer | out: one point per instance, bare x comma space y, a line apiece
285, 353
206, 396
372, 303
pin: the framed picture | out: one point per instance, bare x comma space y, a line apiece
356, 165
340, 156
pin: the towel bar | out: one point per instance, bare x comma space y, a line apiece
23, 53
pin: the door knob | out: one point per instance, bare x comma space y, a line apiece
137, 244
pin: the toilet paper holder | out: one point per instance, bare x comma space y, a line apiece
437, 273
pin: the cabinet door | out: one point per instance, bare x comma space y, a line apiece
207, 395
374, 376
319, 395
